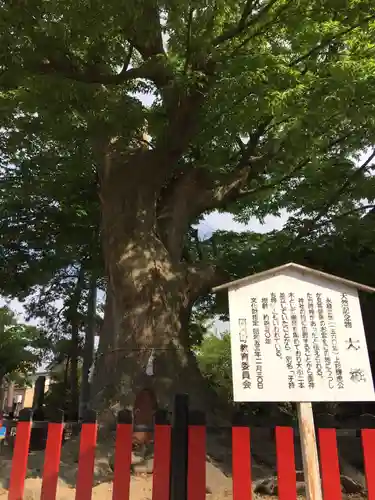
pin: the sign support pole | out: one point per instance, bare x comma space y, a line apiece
309, 451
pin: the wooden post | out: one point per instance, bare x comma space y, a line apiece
309, 452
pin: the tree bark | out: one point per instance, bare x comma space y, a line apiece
150, 291
144, 320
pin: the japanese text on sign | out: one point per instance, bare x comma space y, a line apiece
303, 343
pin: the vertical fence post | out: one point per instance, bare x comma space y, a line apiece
123, 456
52, 457
196, 486
286, 464
329, 464
368, 445
241, 458
86, 456
20, 456
179, 448
162, 457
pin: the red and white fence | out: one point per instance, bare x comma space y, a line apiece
196, 461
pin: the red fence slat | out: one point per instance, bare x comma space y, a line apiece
196, 485
286, 465
86, 461
368, 445
241, 463
52, 461
329, 460
162, 462
19, 460
123, 457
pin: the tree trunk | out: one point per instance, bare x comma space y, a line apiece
145, 322
148, 295
120, 371
88, 349
65, 382
2, 391
74, 325
10, 396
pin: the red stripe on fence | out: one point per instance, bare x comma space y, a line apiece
19, 461
241, 463
286, 465
368, 444
162, 462
52, 461
196, 486
329, 460
86, 461
123, 457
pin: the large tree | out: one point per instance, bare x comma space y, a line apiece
253, 102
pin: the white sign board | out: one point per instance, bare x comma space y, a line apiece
297, 337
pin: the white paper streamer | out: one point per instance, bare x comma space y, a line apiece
150, 364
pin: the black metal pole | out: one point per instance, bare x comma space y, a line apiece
179, 448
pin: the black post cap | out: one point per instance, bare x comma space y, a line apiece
197, 417
38, 415
57, 416
161, 417
26, 415
89, 416
240, 419
125, 417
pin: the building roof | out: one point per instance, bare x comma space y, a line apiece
269, 273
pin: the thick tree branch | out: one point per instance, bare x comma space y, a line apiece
155, 70
145, 30
194, 190
248, 149
245, 21
175, 208
277, 183
231, 186
202, 278
182, 108
128, 59
188, 39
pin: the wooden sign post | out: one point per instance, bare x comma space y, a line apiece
309, 451
297, 336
